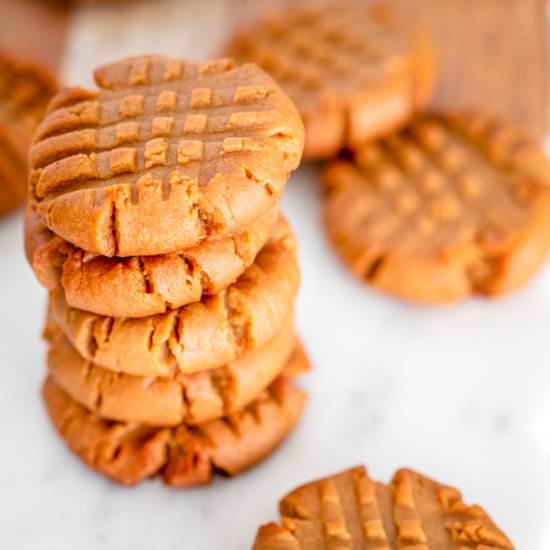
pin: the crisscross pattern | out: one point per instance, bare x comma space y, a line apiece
349, 511
459, 190
202, 149
352, 68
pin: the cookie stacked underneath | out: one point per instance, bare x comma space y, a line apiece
172, 275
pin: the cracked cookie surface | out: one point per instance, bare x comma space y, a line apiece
165, 154
140, 286
351, 511
183, 456
168, 401
452, 205
354, 70
198, 336
25, 90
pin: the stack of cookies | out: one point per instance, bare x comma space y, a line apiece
154, 224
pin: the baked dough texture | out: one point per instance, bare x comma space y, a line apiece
453, 205
350, 510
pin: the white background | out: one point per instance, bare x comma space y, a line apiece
460, 393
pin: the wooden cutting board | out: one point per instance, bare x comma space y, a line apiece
492, 53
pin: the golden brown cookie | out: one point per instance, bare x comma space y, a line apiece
165, 154
141, 285
183, 456
453, 205
198, 336
169, 401
349, 510
355, 71
25, 90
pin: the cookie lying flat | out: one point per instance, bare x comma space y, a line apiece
452, 205
165, 154
355, 71
183, 456
188, 398
199, 336
349, 510
25, 90
141, 285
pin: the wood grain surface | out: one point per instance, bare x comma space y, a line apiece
493, 55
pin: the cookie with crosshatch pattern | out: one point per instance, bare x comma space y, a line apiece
25, 89
198, 336
182, 455
168, 401
351, 511
165, 154
139, 286
355, 70
452, 205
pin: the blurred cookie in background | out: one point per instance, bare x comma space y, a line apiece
355, 70
32, 37
350, 510
25, 89
450, 206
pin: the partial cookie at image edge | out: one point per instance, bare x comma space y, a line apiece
349, 509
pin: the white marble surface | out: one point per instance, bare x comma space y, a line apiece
460, 393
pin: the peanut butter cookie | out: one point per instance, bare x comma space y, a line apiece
183, 456
165, 153
25, 90
452, 205
184, 398
355, 71
141, 285
198, 336
349, 510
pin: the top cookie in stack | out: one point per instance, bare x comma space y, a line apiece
166, 154
153, 221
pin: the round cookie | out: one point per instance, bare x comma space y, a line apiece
189, 398
350, 510
140, 286
198, 336
183, 456
25, 90
165, 154
453, 205
355, 71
